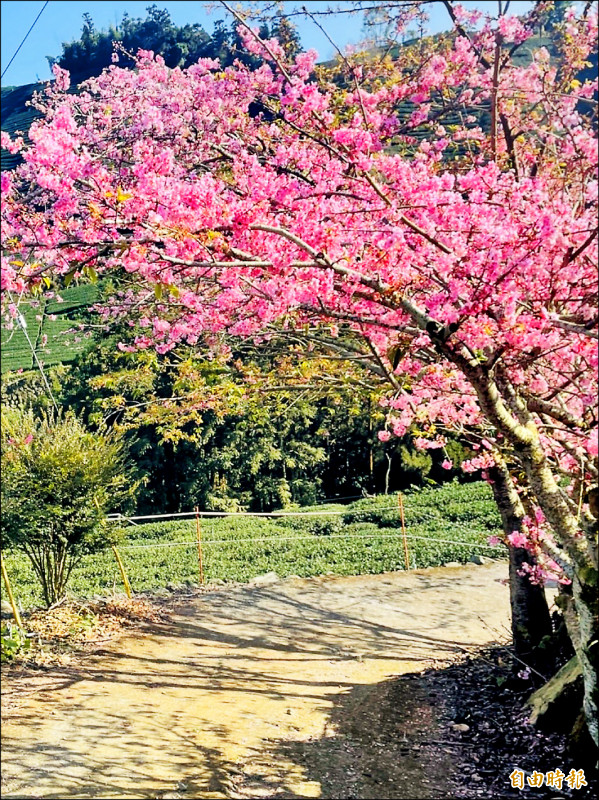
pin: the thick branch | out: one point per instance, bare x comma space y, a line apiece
539, 406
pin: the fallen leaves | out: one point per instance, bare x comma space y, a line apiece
59, 632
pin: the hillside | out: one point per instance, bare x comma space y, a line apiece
16, 116
51, 319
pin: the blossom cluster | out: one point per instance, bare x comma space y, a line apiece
241, 200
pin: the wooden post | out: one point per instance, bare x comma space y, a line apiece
403, 530
119, 561
11, 599
199, 538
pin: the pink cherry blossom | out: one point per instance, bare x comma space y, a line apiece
517, 539
322, 208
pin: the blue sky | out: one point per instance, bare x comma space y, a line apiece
62, 19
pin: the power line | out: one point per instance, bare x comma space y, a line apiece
24, 39
22, 323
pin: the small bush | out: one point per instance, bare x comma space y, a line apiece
324, 526
58, 482
13, 641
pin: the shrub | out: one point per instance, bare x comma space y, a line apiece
324, 527
12, 641
58, 482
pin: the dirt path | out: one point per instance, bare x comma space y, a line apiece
272, 691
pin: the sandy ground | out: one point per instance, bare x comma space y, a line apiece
267, 691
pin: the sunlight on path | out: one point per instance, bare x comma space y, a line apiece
207, 705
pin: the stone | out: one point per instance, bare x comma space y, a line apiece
265, 580
6, 609
460, 726
476, 559
452, 564
556, 705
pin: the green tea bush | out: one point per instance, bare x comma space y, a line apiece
239, 548
324, 526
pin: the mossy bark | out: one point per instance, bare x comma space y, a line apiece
575, 535
531, 621
556, 705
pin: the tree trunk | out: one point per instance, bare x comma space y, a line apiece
531, 621
577, 549
388, 472
583, 624
587, 645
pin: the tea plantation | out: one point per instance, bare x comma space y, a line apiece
450, 523
53, 322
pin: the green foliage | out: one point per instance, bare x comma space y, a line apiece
201, 435
58, 482
325, 526
227, 435
365, 538
416, 463
12, 641
179, 46
215, 433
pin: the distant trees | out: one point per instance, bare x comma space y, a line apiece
555, 14
268, 427
179, 46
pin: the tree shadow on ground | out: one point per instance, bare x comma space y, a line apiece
382, 741
454, 733
174, 712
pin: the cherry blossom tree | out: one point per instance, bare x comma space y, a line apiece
246, 200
